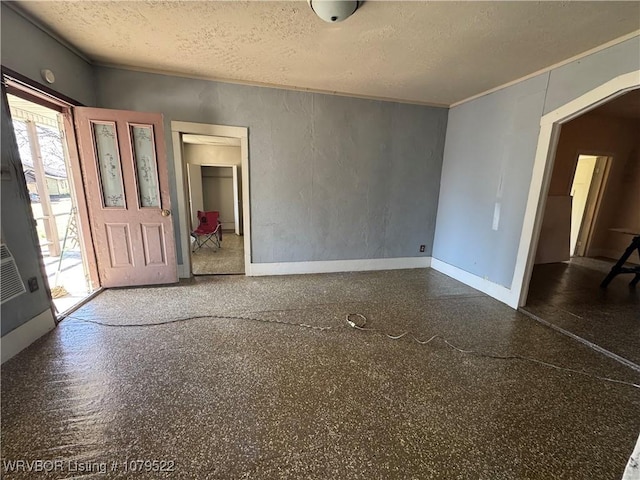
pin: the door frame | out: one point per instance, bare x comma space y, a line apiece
32, 91
236, 213
585, 233
550, 125
181, 128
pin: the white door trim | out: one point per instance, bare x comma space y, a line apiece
236, 200
177, 130
543, 168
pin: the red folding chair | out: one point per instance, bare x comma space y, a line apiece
209, 230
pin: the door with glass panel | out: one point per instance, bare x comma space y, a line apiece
124, 166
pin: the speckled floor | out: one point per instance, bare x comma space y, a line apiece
569, 296
228, 259
231, 399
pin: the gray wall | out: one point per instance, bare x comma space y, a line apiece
27, 50
332, 177
489, 154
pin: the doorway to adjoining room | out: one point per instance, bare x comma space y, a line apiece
591, 218
586, 194
215, 186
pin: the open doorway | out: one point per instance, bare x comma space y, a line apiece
212, 174
215, 185
591, 217
44, 155
586, 194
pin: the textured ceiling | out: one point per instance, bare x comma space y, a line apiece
427, 52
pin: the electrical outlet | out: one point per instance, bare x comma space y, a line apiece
33, 284
422, 247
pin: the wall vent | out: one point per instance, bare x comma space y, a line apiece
11, 284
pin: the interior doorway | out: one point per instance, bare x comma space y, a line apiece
215, 187
44, 154
587, 191
212, 172
579, 193
590, 219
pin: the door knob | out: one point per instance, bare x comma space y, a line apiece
166, 213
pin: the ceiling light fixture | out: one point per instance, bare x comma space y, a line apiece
334, 11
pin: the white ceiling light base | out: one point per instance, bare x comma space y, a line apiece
334, 11
48, 76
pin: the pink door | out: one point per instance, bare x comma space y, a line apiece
124, 165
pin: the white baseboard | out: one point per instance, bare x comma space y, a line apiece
334, 266
494, 290
20, 338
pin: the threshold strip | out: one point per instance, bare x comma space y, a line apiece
584, 341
